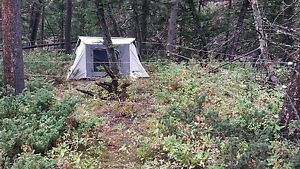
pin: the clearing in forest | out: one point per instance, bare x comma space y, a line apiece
183, 116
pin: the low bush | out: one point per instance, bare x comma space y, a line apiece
33, 161
35, 83
31, 122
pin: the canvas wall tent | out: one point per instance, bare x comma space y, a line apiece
91, 53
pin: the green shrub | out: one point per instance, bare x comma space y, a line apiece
33, 161
183, 153
32, 120
34, 83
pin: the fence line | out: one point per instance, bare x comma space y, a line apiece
251, 74
176, 54
43, 45
288, 64
238, 60
208, 61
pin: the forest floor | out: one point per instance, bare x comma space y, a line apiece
183, 116
170, 120
122, 124
118, 132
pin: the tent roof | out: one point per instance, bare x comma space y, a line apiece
99, 40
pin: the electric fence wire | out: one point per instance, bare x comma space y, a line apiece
245, 57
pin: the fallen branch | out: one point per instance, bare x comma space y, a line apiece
105, 85
114, 87
89, 93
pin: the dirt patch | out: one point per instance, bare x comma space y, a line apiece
119, 132
122, 123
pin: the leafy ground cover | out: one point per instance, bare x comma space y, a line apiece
214, 120
183, 116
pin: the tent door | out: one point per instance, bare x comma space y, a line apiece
100, 57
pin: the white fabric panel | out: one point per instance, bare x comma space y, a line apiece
136, 68
99, 40
78, 69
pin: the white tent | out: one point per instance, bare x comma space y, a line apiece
91, 53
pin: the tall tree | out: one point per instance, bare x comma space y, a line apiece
82, 22
288, 22
68, 27
137, 24
116, 31
291, 106
112, 57
195, 16
42, 24
172, 26
36, 11
263, 44
12, 45
228, 24
144, 23
62, 23
232, 50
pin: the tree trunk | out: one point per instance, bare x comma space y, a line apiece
228, 23
112, 57
42, 25
12, 45
144, 23
291, 105
263, 45
172, 26
137, 24
199, 30
68, 27
145, 13
238, 29
62, 23
82, 21
36, 11
116, 32
288, 19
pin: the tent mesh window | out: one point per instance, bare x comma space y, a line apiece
100, 57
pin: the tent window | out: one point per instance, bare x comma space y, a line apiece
100, 57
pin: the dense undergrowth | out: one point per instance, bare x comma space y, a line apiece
192, 118
31, 122
40, 128
214, 120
